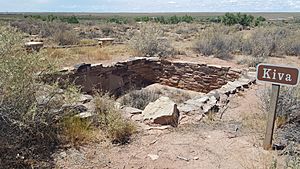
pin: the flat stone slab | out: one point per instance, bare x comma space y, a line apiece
163, 111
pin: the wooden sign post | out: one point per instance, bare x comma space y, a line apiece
277, 75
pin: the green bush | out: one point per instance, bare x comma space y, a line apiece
242, 19
117, 20
166, 20
29, 122
69, 19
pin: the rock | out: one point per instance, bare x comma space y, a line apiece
158, 128
137, 117
84, 115
188, 108
163, 111
153, 156
90, 107
85, 98
196, 158
132, 110
82, 67
183, 158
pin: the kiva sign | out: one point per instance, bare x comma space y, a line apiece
277, 75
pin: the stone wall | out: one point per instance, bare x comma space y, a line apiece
196, 77
140, 72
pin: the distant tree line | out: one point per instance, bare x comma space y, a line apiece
50, 18
227, 19
166, 20
238, 18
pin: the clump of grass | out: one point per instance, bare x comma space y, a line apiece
87, 41
139, 98
255, 121
110, 120
91, 53
77, 131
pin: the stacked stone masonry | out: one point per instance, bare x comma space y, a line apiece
140, 72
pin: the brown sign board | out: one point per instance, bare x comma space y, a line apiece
277, 74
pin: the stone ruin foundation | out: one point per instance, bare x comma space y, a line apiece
215, 83
140, 72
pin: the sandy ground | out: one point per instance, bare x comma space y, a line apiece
226, 143
233, 142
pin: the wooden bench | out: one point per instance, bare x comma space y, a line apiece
105, 41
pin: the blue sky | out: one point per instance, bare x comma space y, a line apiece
149, 6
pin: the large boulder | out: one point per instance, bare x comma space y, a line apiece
163, 111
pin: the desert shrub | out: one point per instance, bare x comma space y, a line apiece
288, 102
65, 37
291, 45
111, 121
262, 43
214, 42
149, 42
30, 112
142, 19
107, 30
117, 20
77, 131
139, 98
259, 21
46, 29
71, 19
242, 19
259, 43
27, 26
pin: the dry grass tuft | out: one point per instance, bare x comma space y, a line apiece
72, 56
110, 120
255, 121
77, 131
87, 41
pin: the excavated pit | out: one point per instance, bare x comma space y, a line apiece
136, 73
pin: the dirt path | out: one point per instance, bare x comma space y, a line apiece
229, 143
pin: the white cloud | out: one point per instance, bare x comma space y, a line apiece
172, 2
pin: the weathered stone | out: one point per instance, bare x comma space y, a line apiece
85, 98
132, 110
153, 156
137, 117
84, 115
140, 72
163, 111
